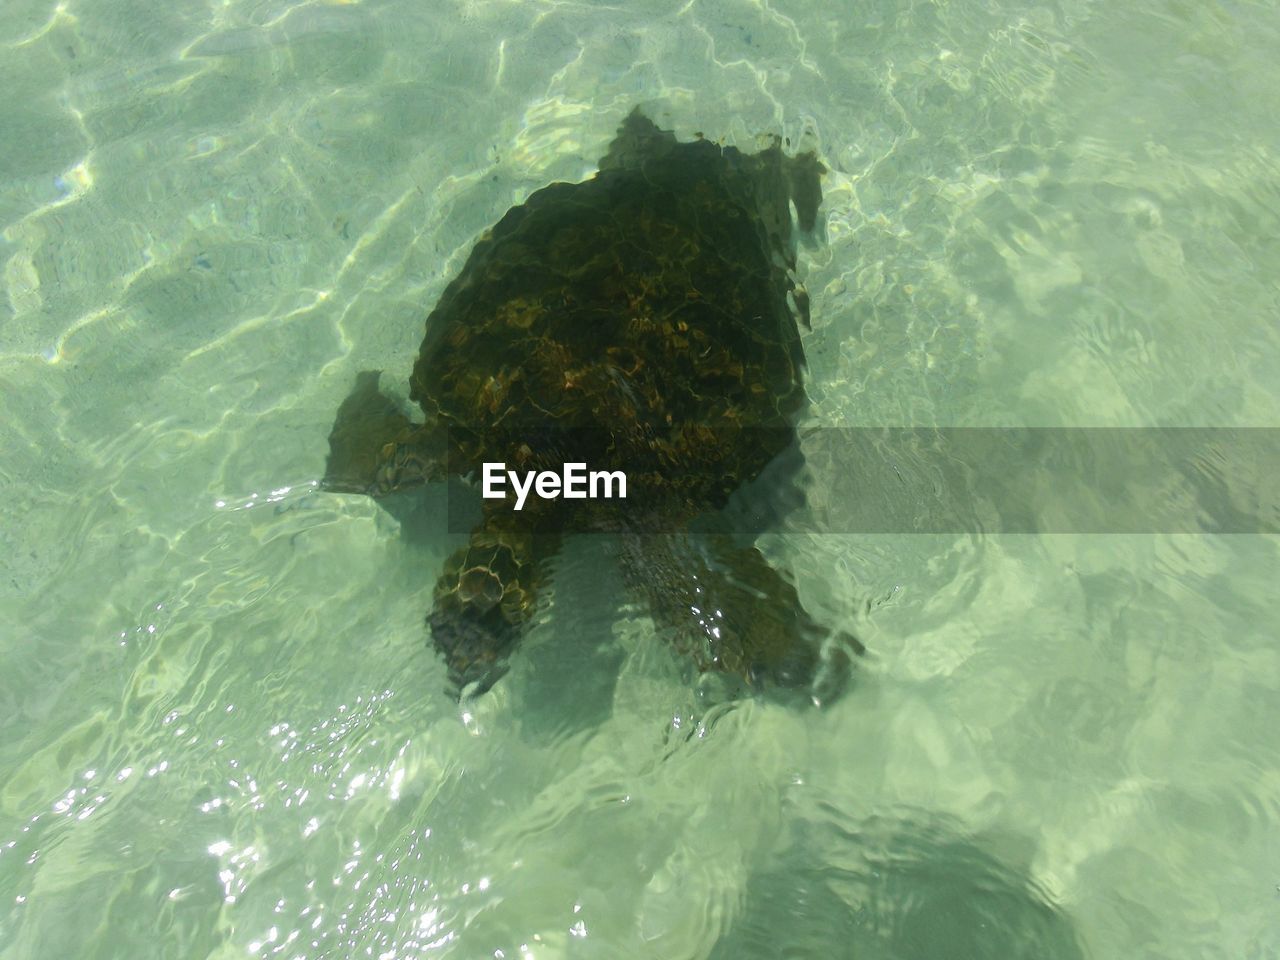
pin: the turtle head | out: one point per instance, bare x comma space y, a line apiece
475, 644
482, 601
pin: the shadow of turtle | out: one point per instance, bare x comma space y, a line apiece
900, 889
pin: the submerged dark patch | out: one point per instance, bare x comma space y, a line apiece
641, 321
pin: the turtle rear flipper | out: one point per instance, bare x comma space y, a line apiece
727, 607
374, 448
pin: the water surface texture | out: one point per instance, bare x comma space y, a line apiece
222, 729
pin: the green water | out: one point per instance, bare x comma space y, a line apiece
223, 732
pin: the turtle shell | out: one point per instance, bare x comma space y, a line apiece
646, 318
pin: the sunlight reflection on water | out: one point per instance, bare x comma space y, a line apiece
224, 731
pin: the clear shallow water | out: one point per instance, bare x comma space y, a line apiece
223, 733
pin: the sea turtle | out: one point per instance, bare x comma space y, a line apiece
645, 320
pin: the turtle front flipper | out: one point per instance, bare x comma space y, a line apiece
375, 449
728, 608
485, 597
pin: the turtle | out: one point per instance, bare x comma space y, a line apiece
647, 318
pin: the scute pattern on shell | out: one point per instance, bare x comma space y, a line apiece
652, 298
